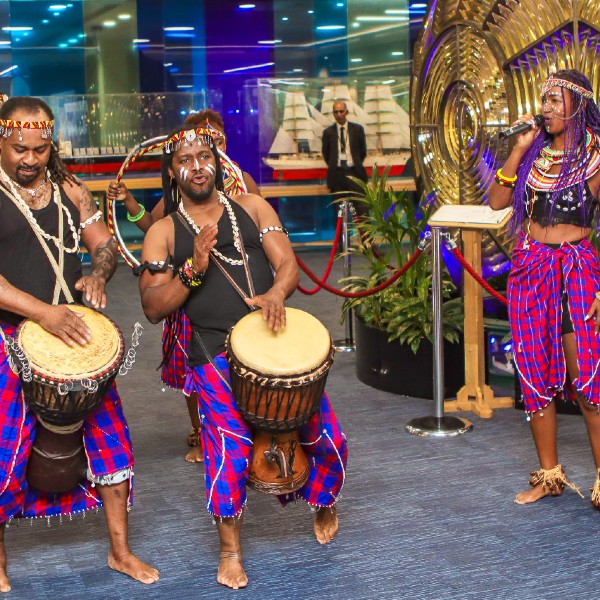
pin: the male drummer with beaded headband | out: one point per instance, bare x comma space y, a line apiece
251, 266
44, 214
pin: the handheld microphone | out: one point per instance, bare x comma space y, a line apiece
521, 128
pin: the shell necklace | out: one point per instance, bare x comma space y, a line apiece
234, 226
16, 197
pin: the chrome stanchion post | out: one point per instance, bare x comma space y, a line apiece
347, 344
438, 425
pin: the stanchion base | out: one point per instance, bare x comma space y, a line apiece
344, 345
438, 426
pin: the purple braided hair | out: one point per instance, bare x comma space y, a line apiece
585, 115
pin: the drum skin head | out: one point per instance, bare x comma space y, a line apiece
49, 355
302, 345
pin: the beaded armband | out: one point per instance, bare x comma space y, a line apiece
272, 228
597, 295
156, 266
95, 217
189, 276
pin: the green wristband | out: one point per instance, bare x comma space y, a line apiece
136, 217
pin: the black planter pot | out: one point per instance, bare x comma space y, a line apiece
393, 367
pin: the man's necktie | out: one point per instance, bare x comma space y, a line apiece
342, 140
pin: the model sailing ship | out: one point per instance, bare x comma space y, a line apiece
296, 149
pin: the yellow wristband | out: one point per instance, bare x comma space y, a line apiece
504, 177
598, 295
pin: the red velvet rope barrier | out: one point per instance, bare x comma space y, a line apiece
336, 239
364, 293
477, 277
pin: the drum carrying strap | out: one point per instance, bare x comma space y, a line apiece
57, 267
236, 287
211, 361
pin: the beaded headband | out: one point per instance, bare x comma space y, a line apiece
7, 126
216, 133
573, 87
233, 179
202, 134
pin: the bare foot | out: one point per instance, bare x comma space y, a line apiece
231, 571
326, 524
195, 455
535, 493
4, 581
131, 565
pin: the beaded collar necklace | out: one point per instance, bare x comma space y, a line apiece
549, 157
540, 180
234, 226
14, 195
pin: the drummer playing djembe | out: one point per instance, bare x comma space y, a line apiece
39, 267
215, 295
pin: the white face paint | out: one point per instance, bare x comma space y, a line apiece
196, 164
183, 173
210, 168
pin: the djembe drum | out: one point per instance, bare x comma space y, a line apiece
67, 384
278, 380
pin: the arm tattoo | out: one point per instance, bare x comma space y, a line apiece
87, 206
104, 260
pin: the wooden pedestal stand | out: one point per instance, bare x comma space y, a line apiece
475, 395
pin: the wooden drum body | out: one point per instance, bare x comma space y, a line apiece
278, 380
66, 384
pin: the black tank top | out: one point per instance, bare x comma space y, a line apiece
569, 209
23, 262
215, 306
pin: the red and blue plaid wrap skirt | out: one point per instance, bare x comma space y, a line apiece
106, 442
227, 444
539, 276
177, 333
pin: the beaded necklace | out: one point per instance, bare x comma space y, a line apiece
234, 226
549, 157
539, 179
14, 195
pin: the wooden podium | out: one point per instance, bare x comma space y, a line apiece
475, 395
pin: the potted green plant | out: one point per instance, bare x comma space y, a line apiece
394, 327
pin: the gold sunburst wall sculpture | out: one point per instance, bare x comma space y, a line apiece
478, 65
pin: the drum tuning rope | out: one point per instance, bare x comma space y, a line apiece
59, 429
130, 356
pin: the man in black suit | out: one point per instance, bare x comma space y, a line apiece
344, 150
